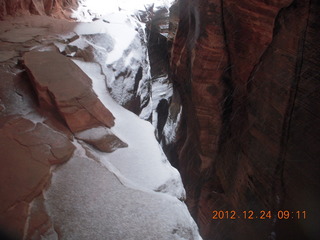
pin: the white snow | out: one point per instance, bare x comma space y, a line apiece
161, 89
94, 133
90, 28
89, 8
169, 130
86, 201
131, 193
121, 51
143, 162
123, 34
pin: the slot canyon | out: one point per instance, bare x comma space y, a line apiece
160, 120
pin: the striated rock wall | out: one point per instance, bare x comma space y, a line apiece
55, 8
247, 73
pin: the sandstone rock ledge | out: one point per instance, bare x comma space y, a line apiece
61, 84
93, 194
28, 150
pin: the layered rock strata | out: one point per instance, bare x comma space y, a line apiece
247, 74
56, 8
67, 89
30, 147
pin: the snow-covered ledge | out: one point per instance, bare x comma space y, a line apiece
131, 193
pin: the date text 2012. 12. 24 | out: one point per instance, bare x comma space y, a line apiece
262, 215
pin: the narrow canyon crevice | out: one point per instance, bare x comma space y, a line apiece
227, 91
80, 156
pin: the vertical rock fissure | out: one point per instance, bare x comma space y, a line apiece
226, 78
188, 139
190, 46
279, 184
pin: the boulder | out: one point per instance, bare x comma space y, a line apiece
62, 85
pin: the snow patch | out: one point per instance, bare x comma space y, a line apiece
88, 9
86, 201
143, 162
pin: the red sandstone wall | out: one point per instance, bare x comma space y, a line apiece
56, 8
248, 73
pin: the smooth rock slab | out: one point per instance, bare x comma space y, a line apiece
61, 84
27, 152
6, 55
21, 35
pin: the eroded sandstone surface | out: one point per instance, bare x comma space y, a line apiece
75, 164
247, 72
66, 88
56, 8
28, 150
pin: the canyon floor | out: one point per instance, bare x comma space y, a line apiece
58, 181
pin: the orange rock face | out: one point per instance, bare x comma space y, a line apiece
56, 8
27, 152
75, 101
247, 71
33, 138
